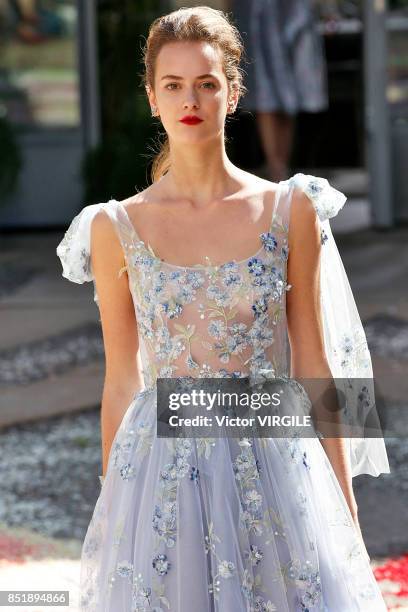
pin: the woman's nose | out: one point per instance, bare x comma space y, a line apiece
191, 100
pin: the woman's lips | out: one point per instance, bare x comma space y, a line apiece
191, 120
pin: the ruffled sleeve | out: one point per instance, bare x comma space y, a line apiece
326, 200
74, 250
345, 341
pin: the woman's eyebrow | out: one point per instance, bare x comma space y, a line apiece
179, 78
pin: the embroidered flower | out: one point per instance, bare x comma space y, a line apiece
186, 294
269, 241
260, 605
253, 499
195, 474
226, 569
127, 471
230, 275
158, 281
161, 564
259, 307
141, 594
260, 334
195, 279
247, 585
254, 554
172, 309
124, 569
256, 266
164, 522
307, 579
236, 343
232, 280
217, 328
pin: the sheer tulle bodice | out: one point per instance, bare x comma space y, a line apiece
209, 320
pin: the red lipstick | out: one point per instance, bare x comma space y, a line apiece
191, 120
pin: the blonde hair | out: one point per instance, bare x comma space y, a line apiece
199, 23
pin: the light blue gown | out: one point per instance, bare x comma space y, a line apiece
222, 524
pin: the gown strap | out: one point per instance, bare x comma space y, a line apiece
124, 223
121, 222
124, 228
281, 211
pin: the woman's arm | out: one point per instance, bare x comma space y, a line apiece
305, 328
121, 344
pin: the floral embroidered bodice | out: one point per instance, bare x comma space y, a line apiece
223, 320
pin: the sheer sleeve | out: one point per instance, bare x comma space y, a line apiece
74, 250
345, 340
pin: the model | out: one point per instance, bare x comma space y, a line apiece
212, 272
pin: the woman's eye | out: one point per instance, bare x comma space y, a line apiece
212, 86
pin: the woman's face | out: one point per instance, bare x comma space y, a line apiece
189, 80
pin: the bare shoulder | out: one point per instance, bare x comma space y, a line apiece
105, 243
304, 221
257, 192
256, 184
302, 206
146, 196
102, 226
269, 189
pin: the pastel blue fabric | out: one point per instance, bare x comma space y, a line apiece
286, 68
224, 524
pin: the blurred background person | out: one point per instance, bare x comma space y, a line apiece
285, 72
26, 17
33, 21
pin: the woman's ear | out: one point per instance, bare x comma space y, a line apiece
233, 98
150, 95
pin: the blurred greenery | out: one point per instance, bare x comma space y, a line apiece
398, 4
11, 160
120, 165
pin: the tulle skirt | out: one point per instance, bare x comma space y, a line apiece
221, 525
